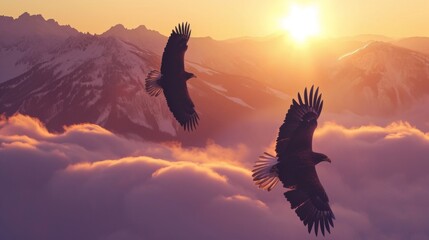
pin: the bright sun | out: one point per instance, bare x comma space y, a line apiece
302, 22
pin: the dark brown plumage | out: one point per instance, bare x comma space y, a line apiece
172, 78
295, 164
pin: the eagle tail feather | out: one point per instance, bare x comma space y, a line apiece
265, 172
152, 84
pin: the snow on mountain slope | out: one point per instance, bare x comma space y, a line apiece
380, 78
11, 63
90, 79
24, 42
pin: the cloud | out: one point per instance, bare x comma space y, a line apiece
379, 173
88, 183
394, 130
212, 153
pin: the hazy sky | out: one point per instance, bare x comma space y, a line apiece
231, 18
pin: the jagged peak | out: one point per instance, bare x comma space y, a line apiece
142, 28
121, 27
24, 15
27, 16
117, 27
83, 41
139, 32
34, 25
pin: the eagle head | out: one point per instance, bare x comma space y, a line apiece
189, 75
320, 157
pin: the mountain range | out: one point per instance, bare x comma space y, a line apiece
379, 79
63, 76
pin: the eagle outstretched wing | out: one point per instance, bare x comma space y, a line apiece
172, 78
173, 58
310, 200
300, 122
181, 106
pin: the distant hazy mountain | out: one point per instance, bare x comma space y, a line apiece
368, 38
379, 78
419, 44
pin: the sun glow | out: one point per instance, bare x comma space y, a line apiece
302, 22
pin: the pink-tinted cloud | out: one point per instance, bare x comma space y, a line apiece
379, 174
76, 185
88, 183
212, 153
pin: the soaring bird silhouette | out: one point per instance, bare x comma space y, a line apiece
295, 164
172, 78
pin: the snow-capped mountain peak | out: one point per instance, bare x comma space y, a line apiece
381, 78
24, 41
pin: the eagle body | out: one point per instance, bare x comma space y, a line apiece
172, 78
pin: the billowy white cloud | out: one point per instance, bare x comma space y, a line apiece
378, 174
88, 183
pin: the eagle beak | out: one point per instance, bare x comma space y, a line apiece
328, 160
194, 76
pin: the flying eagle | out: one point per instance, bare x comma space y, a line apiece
172, 78
295, 164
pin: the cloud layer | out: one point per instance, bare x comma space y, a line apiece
88, 183
380, 175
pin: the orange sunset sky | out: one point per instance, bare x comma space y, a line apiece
224, 19
87, 152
